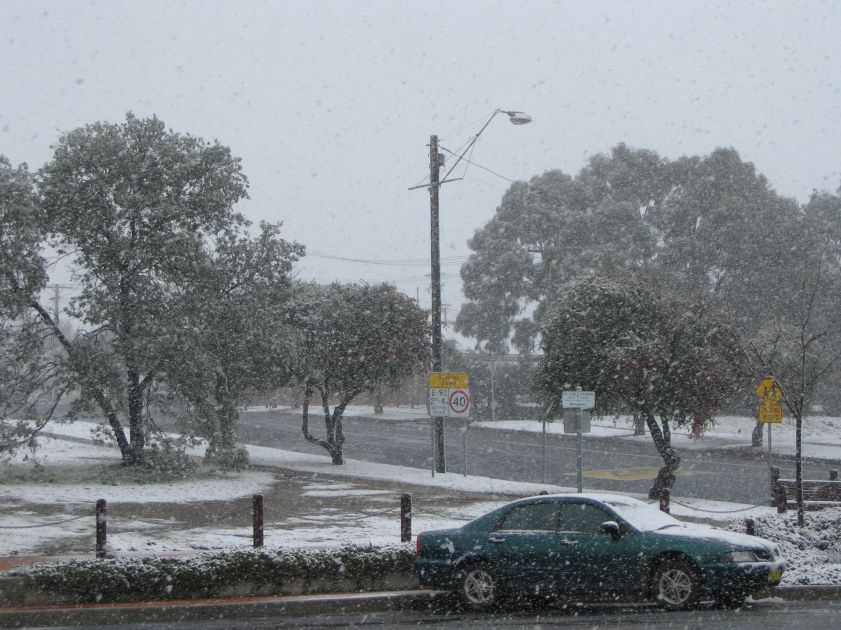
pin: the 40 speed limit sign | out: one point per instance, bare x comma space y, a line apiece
449, 395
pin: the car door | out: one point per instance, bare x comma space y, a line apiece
522, 545
596, 564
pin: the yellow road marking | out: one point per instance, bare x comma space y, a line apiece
634, 474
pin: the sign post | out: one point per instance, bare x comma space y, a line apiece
578, 400
770, 412
449, 397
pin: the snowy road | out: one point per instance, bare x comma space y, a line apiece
618, 465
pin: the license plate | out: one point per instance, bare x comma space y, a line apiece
775, 576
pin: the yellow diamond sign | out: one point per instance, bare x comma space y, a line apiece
769, 390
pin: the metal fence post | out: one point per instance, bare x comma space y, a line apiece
665, 495
101, 528
257, 518
405, 517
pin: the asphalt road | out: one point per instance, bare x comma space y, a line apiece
609, 464
757, 616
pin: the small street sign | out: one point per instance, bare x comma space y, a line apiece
449, 395
769, 390
770, 412
571, 421
459, 402
577, 399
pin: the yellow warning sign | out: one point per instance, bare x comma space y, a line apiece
770, 412
449, 380
769, 389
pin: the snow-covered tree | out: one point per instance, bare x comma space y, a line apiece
551, 229
134, 204
643, 351
352, 338
31, 375
232, 333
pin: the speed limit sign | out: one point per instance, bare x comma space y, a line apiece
459, 402
449, 395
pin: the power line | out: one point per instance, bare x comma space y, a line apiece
395, 262
484, 168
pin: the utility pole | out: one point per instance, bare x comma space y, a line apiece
435, 161
435, 254
57, 296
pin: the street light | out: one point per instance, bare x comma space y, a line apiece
435, 160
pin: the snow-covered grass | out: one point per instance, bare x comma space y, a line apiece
354, 503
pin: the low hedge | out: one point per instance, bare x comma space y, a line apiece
206, 575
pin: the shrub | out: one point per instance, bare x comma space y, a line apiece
207, 574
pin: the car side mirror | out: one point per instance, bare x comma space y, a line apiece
611, 528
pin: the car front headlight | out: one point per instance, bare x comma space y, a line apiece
739, 556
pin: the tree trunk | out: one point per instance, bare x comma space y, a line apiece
756, 435
87, 384
137, 432
378, 400
671, 461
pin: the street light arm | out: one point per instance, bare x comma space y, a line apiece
471, 143
517, 118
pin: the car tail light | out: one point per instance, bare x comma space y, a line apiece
418, 546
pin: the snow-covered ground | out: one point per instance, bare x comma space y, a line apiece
351, 503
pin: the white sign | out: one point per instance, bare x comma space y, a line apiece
445, 402
449, 395
439, 402
577, 399
459, 402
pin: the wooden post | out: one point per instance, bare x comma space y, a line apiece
750, 527
257, 518
101, 528
781, 496
405, 517
665, 495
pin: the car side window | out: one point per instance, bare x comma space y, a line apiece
531, 517
582, 518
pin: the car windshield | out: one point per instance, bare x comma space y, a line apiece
645, 518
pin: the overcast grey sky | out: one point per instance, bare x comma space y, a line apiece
331, 104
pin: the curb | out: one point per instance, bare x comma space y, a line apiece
200, 610
20, 592
803, 592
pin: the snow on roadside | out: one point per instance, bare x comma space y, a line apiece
813, 553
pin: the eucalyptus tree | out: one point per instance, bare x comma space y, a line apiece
352, 338
551, 229
31, 376
134, 204
725, 231
643, 351
232, 334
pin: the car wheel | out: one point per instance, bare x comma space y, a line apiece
478, 586
676, 584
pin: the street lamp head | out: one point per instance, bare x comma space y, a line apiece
518, 118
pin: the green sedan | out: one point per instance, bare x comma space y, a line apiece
595, 547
